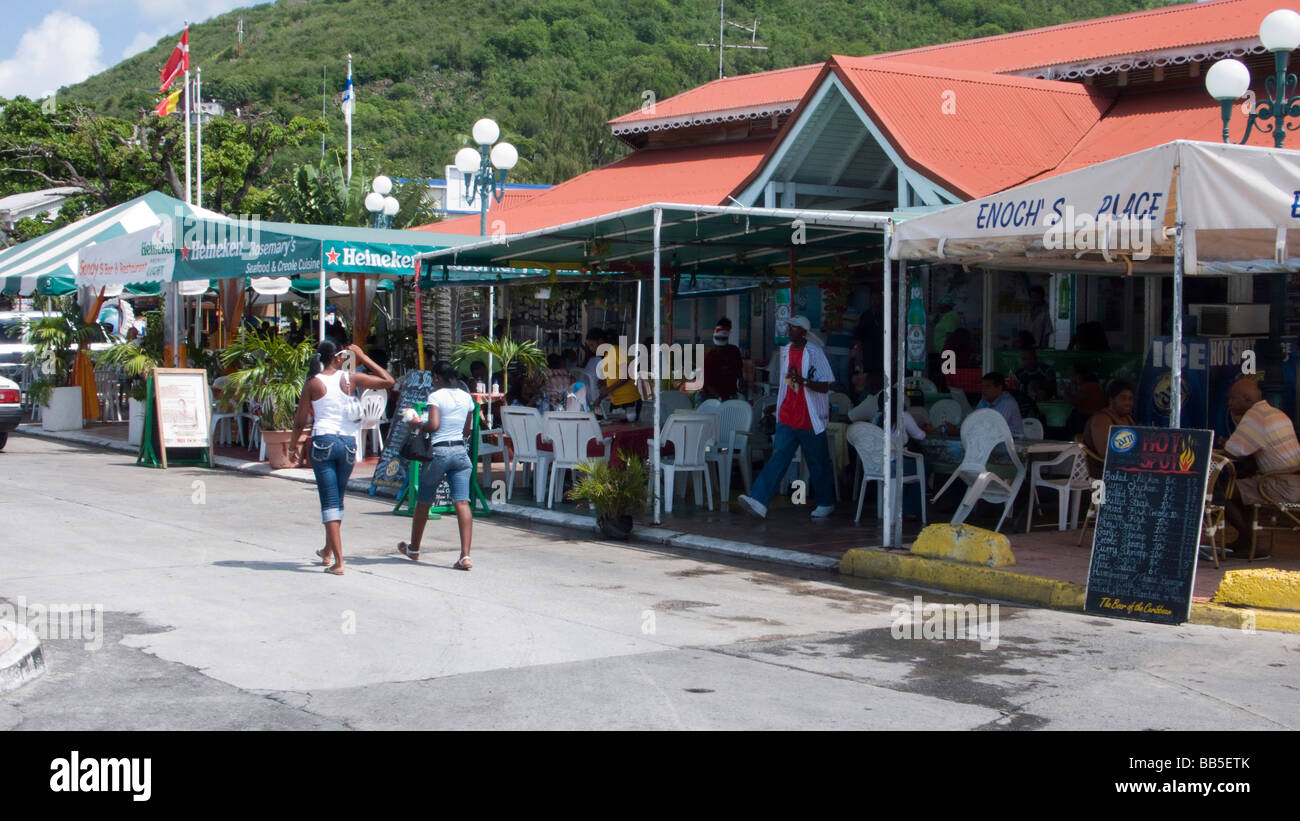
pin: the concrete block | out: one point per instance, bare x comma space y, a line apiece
964, 543
1263, 587
21, 659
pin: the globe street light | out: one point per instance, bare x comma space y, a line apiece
485, 168
1228, 81
382, 206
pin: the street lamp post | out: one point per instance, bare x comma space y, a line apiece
485, 170
381, 205
1228, 81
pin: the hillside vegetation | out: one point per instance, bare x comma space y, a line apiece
551, 72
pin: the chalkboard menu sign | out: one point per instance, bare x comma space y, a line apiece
1145, 547
390, 473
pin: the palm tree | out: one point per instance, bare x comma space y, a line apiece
270, 371
526, 353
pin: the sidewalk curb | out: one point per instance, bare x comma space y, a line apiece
23, 661
989, 582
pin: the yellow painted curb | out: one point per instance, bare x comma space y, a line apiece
962, 578
1265, 587
964, 543
989, 582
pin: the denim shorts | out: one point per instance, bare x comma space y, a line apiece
450, 462
332, 458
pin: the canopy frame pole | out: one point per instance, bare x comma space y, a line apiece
176, 324
322, 306
636, 323
1176, 360
896, 466
655, 366
888, 404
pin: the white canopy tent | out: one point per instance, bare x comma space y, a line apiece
1182, 208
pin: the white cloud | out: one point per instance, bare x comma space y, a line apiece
61, 50
142, 41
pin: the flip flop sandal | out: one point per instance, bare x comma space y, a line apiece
323, 555
334, 571
413, 555
463, 563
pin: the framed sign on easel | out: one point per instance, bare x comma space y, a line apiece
178, 419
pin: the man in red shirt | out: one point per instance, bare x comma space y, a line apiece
803, 409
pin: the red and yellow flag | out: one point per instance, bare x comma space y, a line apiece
168, 104
178, 63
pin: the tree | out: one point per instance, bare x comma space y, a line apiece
237, 154
320, 195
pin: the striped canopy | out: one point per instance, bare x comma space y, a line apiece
39, 265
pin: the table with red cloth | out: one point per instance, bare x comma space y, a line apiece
633, 437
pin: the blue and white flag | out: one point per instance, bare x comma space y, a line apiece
348, 99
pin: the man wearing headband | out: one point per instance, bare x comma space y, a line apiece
724, 367
803, 409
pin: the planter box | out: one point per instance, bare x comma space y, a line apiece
135, 430
277, 448
64, 410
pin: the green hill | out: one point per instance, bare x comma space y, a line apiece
550, 71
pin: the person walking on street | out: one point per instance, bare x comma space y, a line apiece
450, 421
327, 396
803, 409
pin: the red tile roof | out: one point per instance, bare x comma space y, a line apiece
970, 132
1140, 121
747, 91
1171, 27
697, 175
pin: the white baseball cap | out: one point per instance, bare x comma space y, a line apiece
800, 321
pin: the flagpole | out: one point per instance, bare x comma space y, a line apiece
352, 107
323, 98
189, 189
198, 154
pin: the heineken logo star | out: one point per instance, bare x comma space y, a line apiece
185, 252
333, 256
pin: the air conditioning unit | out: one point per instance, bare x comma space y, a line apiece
1230, 320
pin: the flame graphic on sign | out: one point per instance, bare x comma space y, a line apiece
1186, 457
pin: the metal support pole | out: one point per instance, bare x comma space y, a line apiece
654, 365
896, 465
322, 306
1176, 361
888, 404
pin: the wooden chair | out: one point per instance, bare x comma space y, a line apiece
1291, 510
1213, 523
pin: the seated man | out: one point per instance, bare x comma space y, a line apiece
1035, 378
993, 388
1266, 455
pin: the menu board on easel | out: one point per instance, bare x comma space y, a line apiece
1148, 534
178, 418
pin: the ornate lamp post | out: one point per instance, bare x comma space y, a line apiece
381, 205
1228, 81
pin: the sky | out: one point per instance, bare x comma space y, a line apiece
46, 44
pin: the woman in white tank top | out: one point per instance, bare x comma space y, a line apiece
328, 398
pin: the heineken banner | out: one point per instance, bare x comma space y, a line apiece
368, 257
211, 249
142, 256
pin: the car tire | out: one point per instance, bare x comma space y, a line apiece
4, 437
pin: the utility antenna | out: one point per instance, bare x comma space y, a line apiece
239, 38
721, 45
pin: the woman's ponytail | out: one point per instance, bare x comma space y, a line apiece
326, 350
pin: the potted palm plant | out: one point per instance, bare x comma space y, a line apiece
271, 372
55, 340
614, 493
137, 359
526, 354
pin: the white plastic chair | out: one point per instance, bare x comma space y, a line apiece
1033, 428
945, 411
866, 409
569, 433
671, 402
840, 405
959, 396
1069, 488
374, 405
981, 432
868, 441
710, 406
523, 425
921, 382
731, 440
691, 436
486, 450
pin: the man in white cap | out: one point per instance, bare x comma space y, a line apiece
803, 409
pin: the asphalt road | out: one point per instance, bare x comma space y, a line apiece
215, 616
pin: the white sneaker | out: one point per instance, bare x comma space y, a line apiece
752, 506
823, 511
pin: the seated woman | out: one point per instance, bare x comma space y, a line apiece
1119, 411
1087, 396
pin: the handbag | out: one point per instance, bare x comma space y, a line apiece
351, 404
418, 447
